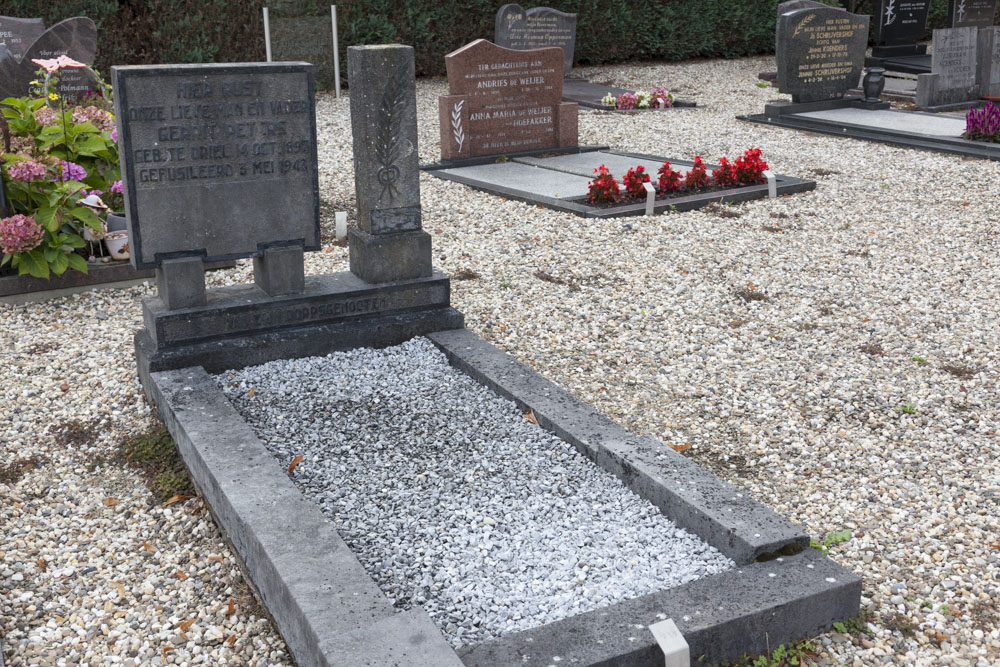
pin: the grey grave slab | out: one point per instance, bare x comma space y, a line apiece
526, 178
589, 94
584, 164
929, 124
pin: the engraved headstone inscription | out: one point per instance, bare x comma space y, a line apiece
75, 38
299, 35
536, 28
820, 52
902, 22
218, 161
504, 101
17, 34
971, 13
953, 77
988, 60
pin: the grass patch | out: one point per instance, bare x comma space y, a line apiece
465, 274
963, 371
12, 472
750, 293
799, 653
155, 456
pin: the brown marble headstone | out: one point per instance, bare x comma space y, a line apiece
504, 101
75, 37
18, 34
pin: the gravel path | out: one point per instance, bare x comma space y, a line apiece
881, 291
452, 499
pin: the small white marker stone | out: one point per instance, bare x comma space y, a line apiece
772, 184
340, 225
676, 651
650, 197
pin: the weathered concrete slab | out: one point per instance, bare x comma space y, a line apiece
320, 597
525, 178
917, 123
691, 496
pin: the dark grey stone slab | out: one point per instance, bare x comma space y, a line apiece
685, 492
18, 34
324, 604
901, 22
180, 282
536, 28
241, 310
300, 37
384, 127
75, 37
280, 270
752, 609
820, 52
526, 178
383, 258
585, 164
862, 130
218, 160
971, 13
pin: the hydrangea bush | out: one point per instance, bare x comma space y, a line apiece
55, 158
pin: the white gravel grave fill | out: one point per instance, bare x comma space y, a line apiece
452, 499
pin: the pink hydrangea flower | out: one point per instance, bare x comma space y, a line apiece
114, 134
20, 233
26, 170
116, 188
72, 171
47, 116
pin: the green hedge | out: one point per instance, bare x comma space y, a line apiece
179, 31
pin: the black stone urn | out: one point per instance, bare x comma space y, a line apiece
873, 84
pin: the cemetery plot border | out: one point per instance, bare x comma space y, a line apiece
926, 142
580, 206
330, 611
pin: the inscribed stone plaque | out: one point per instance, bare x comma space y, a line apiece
902, 21
306, 39
976, 13
504, 101
18, 34
820, 52
536, 28
954, 63
217, 160
988, 60
75, 37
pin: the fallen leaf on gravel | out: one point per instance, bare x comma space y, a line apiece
173, 499
253, 390
530, 416
232, 639
218, 558
110, 502
121, 590
166, 650
181, 575
42, 563
680, 448
232, 608
995, 545
187, 624
149, 547
291, 467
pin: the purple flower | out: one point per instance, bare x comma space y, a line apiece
983, 124
114, 135
116, 188
72, 171
20, 233
27, 171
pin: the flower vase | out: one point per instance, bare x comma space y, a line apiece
873, 84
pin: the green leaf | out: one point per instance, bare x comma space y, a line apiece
33, 262
87, 217
92, 144
50, 253
76, 262
47, 218
60, 263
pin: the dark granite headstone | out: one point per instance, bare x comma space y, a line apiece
902, 22
792, 5
75, 37
504, 101
536, 28
971, 13
217, 160
18, 34
954, 71
988, 59
305, 38
820, 52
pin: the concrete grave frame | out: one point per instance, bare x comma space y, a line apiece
579, 206
330, 612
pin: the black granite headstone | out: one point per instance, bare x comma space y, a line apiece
971, 13
217, 160
820, 52
536, 28
902, 22
303, 37
792, 5
18, 34
75, 38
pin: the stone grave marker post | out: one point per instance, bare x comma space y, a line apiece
953, 77
988, 59
389, 243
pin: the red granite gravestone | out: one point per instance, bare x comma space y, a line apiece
504, 101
